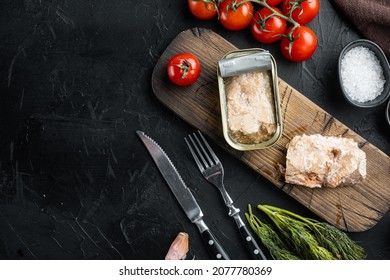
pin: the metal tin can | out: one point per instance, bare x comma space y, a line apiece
230, 67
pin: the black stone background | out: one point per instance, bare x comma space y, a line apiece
75, 85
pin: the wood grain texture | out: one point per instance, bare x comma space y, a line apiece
353, 209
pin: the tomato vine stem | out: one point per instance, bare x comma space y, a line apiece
296, 4
264, 4
185, 67
295, 25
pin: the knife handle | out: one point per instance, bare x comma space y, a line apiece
213, 246
251, 244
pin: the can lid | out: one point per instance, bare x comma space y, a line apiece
246, 63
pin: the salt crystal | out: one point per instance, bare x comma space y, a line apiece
362, 75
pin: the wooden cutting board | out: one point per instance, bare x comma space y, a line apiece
352, 209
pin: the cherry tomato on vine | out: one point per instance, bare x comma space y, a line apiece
202, 10
235, 16
273, 3
303, 11
302, 46
268, 30
183, 69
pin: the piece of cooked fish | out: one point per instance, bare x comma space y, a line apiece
316, 161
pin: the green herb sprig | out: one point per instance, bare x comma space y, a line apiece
269, 238
306, 238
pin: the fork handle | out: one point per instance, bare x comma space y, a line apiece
251, 244
213, 246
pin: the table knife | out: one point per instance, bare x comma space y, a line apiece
184, 196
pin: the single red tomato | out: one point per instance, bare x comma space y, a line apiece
303, 11
201, 9
268, 30
183, 69
300, 45
273, 3
235, 16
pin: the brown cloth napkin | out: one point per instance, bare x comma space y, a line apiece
371, 18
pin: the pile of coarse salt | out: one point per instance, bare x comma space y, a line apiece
362, 74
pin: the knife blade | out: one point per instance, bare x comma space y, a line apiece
183, 196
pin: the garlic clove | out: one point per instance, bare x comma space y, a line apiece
179, 247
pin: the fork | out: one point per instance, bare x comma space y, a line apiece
212, 170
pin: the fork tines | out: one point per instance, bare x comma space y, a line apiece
204, 158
